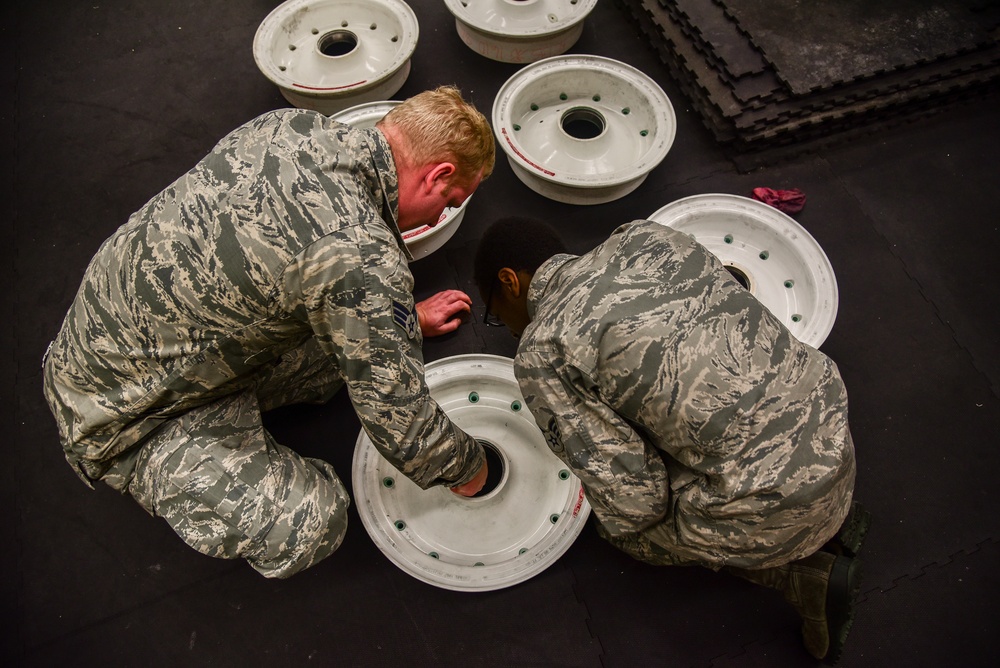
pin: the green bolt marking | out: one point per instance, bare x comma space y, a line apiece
626, 111
515, 406
728, 239
563, 96
596, 98
643, 133
516, 127
388, 482
534, 107
796, 317
522, 550
764, 255
789, 283
400, 525
479, 563
564, 475
473, 397
554, 517
433, 555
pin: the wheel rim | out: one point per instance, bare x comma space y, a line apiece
328, 55
423, 240
768, 252
583, 129
529, 518
519, 31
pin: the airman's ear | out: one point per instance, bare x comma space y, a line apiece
439, 174
510, 282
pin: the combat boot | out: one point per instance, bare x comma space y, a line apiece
851, 535
822, 588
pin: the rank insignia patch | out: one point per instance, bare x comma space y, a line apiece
405, 318
552, 435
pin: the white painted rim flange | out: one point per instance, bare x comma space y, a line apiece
583, 129
505, 537
328, 55
784, 267
520, 31
425, 239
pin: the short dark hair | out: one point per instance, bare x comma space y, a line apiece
517, 242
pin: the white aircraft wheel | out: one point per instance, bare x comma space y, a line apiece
327, 55
583, 129
769, 253
528, 515
519, 31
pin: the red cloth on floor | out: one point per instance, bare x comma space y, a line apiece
788, 201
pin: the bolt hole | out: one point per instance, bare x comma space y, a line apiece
474, 397
400, 525
796, 317
789, 283
764, 255
337, 43
388, 482
554, 518
583, 123
728, 239
564, 475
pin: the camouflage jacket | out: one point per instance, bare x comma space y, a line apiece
285, 231
690, 413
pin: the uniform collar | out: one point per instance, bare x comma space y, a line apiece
541, 279
385, 168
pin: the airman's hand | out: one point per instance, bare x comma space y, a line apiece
443, 312
472, 487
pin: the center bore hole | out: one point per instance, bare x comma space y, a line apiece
583, 123
495, 468
337, 43
740, 276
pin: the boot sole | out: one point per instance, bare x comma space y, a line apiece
841, 595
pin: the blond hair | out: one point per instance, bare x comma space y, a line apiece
439, 126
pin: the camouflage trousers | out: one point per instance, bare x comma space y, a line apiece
229, 490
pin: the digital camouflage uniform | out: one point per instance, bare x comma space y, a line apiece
702, 430
272, 272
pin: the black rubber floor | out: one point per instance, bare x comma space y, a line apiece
106, 102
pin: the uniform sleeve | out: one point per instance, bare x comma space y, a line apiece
624, 478
356, 293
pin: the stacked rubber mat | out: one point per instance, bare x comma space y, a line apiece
773, 77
